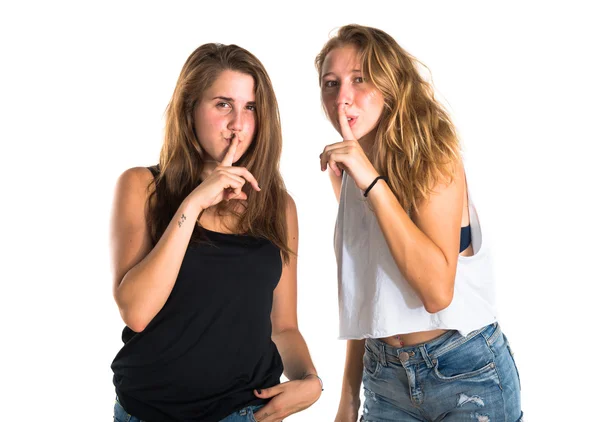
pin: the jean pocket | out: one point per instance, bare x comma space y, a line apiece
473, 359
371, 364
486, 371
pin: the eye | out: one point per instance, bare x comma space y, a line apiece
251, 107
223, 105
359, 79
330, 84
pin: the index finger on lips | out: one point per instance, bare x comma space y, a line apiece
228, 159
344, 126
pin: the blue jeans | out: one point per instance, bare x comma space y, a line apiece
244, 415
451, 378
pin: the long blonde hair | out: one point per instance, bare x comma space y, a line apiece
416, 144
181, 156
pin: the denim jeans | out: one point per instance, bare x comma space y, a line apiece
451, 378
244, 415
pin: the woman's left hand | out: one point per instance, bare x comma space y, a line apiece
348, 155
287, 398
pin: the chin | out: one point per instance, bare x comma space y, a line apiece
358, 134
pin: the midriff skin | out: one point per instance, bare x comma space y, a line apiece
412, 339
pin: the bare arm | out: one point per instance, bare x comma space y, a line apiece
304, 388
353, 370
143, 277
425, 248
285, 333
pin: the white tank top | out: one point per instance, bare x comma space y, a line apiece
375, 300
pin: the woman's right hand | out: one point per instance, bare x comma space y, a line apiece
348, 155
347, 411
225, 182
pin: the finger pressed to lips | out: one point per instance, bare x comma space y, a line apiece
343, 122
230, 154
239, 171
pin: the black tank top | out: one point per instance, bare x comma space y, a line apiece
202, 355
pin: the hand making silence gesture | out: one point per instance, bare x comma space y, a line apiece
224, 181
348, 155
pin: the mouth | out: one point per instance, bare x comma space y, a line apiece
351, 120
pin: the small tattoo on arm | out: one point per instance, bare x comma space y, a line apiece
181, 219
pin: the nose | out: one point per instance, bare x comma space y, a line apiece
345, 95
236, 122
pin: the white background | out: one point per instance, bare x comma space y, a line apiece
83, 91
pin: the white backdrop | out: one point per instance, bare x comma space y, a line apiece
83, 91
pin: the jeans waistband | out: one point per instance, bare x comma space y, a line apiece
427, 352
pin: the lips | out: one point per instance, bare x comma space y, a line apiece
351, 120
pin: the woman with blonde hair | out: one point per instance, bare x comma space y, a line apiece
416, 288
204, 258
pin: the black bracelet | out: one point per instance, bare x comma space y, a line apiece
373, 184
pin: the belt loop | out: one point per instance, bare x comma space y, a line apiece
383, 354
425, 356
495, 333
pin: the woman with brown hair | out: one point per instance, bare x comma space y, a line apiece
204, 258
416, 288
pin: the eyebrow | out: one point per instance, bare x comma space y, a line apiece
332, 73
232, 100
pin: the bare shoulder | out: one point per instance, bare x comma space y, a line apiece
444, 201
458, 172
135, 179
445, 185
131, 194
290, 207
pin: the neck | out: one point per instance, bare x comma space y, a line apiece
367, 143
207, 168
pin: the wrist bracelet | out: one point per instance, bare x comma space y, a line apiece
373, 184
318, 377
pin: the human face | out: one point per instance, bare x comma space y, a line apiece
342, 82
226, 112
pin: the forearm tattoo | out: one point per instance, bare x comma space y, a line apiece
181, 219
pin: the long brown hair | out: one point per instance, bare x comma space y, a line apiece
181, 156
416, 145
